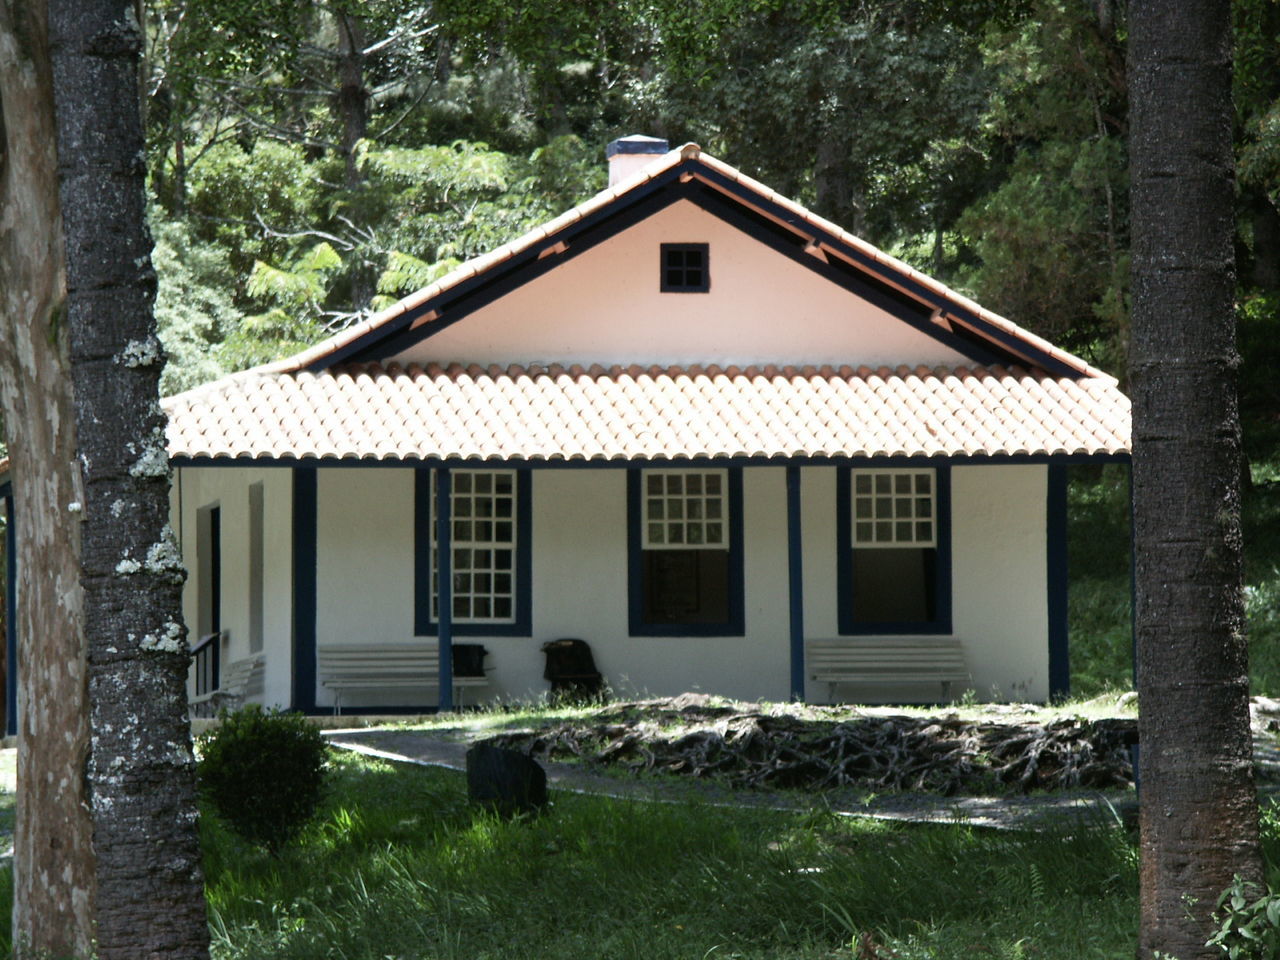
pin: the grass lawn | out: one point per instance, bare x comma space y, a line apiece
401, 867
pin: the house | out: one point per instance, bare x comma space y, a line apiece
687, 421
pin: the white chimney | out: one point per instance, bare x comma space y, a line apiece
629, 155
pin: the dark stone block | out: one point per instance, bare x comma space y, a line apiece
507, 781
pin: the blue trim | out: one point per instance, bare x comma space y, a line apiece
215, 569
423, 625
11, 613
393, 336
665, 268
781, 214
639, 203
735, 625
795, 579
660, 462
444, 573
869, 288
846, 587
303, 694
1056, 581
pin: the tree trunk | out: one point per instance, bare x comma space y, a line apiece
1199, 818
52, 832
149, 891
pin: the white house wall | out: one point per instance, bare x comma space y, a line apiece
198, 488
604, 306
999, 578
365, 561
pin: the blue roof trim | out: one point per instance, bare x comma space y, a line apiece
393, 335
929, 296
736, 204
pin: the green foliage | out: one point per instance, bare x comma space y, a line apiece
1248, 919
194, 308
263, 773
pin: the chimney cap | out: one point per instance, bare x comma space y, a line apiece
636, 143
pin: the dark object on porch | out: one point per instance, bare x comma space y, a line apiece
572, 671
507, 781
468, 659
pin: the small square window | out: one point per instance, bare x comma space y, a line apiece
685, 268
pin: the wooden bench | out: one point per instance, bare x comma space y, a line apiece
875, 660
377, 666
236, 681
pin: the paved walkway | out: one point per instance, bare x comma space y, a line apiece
1000, 812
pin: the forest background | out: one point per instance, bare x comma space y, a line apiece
311, 163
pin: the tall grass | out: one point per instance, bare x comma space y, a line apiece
402, 867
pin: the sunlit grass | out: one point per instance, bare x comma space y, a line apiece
403, 867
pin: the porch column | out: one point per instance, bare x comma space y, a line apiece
444, 584
305, 491
10, 616
795, 572
1056, 574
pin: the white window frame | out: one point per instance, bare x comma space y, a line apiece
656, 531
465, 522
913, 519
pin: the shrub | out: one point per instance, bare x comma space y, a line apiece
263, 773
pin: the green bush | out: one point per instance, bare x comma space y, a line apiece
263, 773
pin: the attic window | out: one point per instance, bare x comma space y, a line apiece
685, 268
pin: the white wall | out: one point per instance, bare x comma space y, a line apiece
604, 306
999, 577
197, 488
365, 581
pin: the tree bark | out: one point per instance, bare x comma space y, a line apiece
52, 861
1198, 817
149, 888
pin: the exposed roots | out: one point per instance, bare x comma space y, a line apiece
943, 754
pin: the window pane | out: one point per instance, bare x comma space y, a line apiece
924, 483
462, 483
657, 533
894, 586
503, 532
862, 483
713, 484
924, 532
502, 483
694, 510
462, 508
685, 586
484, 482
674, 483
694, 532
903, 531
693, 484
924, 507
502, 560
715, 533
657, 509
713, 509
902, 483
884, 508
502, 608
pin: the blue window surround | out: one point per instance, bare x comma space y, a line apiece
941, 623
423, 625
735, 626
664, 286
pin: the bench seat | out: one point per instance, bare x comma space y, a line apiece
378, 666
238, 680
873, 660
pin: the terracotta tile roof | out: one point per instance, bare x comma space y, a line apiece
367, 412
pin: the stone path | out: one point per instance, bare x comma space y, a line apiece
1000, 812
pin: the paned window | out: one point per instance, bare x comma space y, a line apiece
483, 508
686, 268
684, 510
686, 560
893, 508
894, 565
